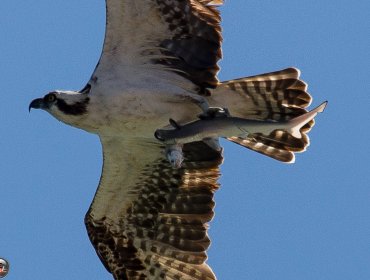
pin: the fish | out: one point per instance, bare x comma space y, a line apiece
226, 126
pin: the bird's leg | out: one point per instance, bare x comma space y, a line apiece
207, 111
214, 112
174, 154
211, 113
173, 150
198, 100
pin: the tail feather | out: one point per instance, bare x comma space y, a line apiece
275, 96
280, 145
268, 150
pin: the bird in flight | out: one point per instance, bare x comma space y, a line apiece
150, 213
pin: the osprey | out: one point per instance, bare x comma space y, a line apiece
149, 216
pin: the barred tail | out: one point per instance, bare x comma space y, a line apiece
276, 96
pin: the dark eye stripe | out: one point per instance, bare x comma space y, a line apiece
78, 108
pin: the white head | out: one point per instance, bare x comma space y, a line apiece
66, 106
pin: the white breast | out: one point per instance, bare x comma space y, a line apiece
139, 106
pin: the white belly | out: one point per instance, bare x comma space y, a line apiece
138, 112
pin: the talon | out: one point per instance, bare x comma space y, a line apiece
214, 112
174, 155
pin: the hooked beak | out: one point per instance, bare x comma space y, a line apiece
37, 103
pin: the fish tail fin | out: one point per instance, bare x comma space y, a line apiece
297, 123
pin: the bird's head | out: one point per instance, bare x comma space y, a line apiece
66, 106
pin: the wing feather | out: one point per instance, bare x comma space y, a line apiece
149, 221
181, 36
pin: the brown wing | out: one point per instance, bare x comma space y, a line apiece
181, 36
148, 220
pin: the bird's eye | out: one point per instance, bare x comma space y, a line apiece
51, 97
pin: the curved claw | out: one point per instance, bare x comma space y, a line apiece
214, 112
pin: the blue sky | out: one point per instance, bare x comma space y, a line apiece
310, 220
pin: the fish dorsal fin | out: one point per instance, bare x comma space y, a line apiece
174, 124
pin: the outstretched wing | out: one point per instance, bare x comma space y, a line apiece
183, 37
149, 220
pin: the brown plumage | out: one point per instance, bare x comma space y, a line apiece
194, 47
163, 233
